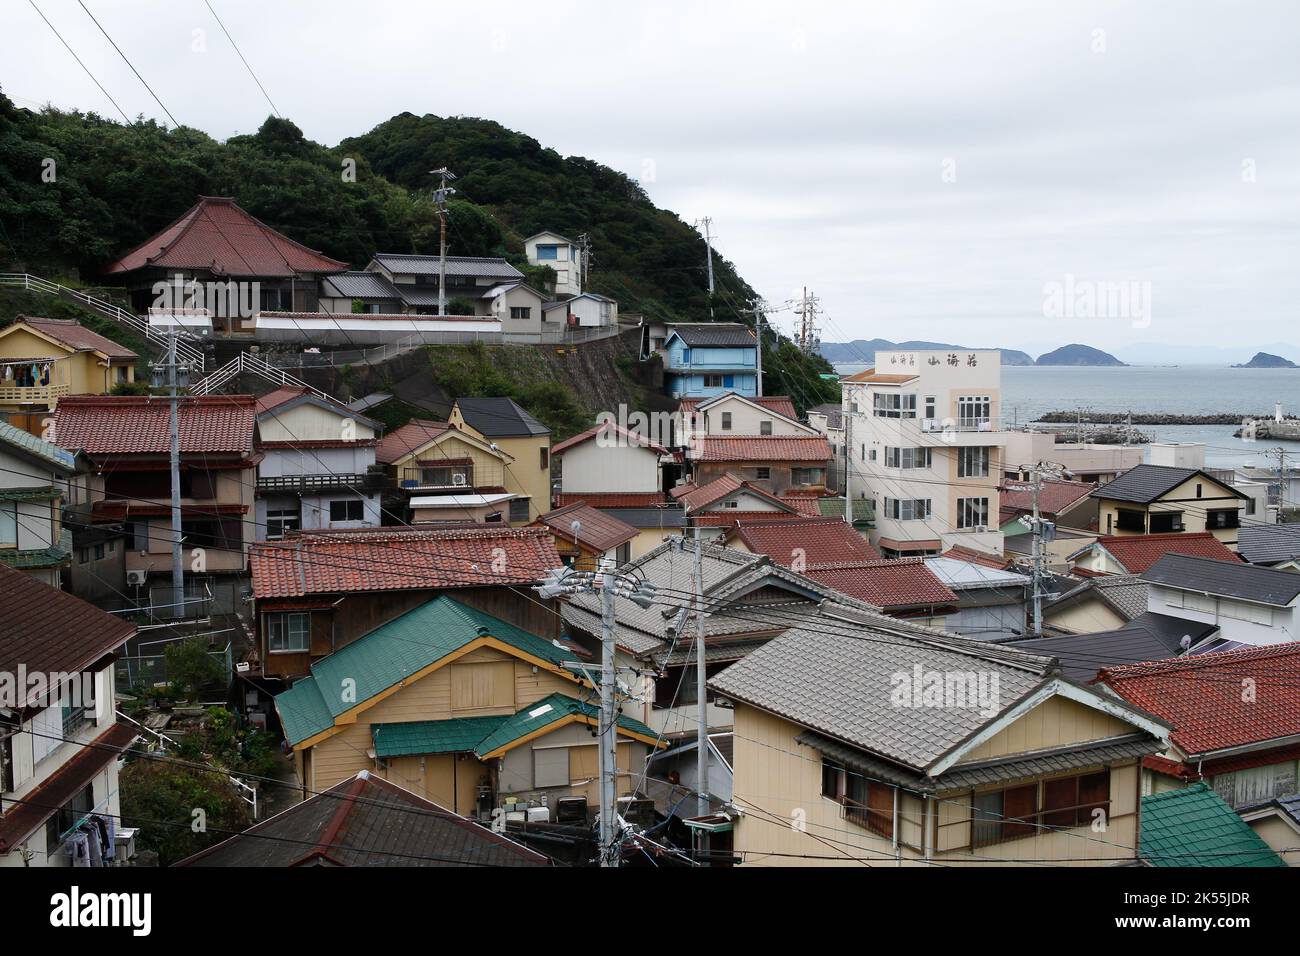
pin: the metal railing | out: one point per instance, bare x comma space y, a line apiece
247, 362
156, 337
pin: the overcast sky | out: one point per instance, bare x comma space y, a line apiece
930, 171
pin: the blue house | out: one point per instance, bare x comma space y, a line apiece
704, 359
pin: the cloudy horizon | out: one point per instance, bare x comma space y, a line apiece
930, 171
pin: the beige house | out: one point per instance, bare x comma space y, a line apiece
508, 428
1158, 499
34, 478
851, 749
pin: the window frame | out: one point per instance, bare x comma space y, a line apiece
286, 619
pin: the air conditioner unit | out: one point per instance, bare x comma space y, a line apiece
458, 479
137, 578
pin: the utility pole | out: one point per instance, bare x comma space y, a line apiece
174, 377
848, 465
758, 332
584, 268
707, 223
1038, 555
807, 332
440, 196
702, 733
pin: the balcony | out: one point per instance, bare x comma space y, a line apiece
34, 395
305, 484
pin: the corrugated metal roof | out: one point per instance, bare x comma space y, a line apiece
1193, 826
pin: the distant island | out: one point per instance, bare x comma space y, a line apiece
1268, 360
864, 350
1076, 354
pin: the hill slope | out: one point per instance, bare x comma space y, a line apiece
1267, 360
1078, 355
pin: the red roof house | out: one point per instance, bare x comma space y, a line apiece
805, 541
1133, 554
902, 586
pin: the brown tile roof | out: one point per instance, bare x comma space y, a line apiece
137, 424
217, 235
609, 432
780, 404
408, 438
400, 559
869, 376
613, 499
727, 517
47, 630
76, 336
1053, 497
596, 529
886, 583
975, 556
1137, 552
1202, 695
807, 540
813, 449
275, 399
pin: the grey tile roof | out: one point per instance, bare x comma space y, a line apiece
1148, 637
499, 418
363, 285
1125, 593
1269, 543
833, 411
714, 334
842, 684
477, 266
1143, 484
1248, 582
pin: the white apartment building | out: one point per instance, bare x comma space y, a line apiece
923, 438
561, 254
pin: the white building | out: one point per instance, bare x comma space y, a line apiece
1247, 603
587, 310
923, 438
33, 478
561, 254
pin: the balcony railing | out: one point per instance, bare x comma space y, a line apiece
35, 393
364, 481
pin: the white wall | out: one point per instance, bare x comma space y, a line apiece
590, 468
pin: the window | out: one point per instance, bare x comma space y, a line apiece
765, 427
281, 521
807, 476
1003, 814
713, 381
867, 803
521, 312
9, 523
78, 703
1222, 518
69, 817
972, 463
907, 509
929, 407
347, 509
288, 633
726, 421
893, 405
1129, 520
1162, 522
543, 458
441, 476
99, 552
548, 253
763, 473
907, 457
832, 779
519, 509
872, 456
972, 512
1070, 801
973, 411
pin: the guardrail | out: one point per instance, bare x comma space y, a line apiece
250, 363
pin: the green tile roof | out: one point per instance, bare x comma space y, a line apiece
392, 653
34, 447
457, 735
29, 560
1194, 826
864, 509
543, 713
43, 493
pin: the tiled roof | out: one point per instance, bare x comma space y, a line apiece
53, 556
410, 437
484, 266
1143, 484
1137, 552
813, 449
1148, 637
608, 432
714, 334
454, 735
1204, 696
1125, 593
808, 540
392, 653
369, 822
1269, 543
1237, 579
833, 411
363, 285
499, 417
885, 583
780, 404
137, 424
550, 710
1194, 826
400, 559
864, 509
701, 496
46, 630
975, 556
614, 499
216, 234
1053, 497
76, 336
598, 530
29, 446
840, 683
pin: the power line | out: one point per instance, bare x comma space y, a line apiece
129, 63
241, 57
125, 118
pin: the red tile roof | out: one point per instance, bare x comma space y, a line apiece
597, 530
217, 235
886, 583
400, 559
613, 499
137, 424
780, 404
1218, 700
960, 552
50, 631
701, 496
75, 336
1137, 552
813, 449
410, 437
1053, 498
805, 541
286, 393
727, 517
609, 432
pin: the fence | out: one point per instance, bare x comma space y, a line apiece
150, 670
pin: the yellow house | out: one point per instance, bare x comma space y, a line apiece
509, 428
1160, 499
853, 747
43, 360
459, 707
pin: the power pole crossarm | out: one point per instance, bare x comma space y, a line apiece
440, 196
